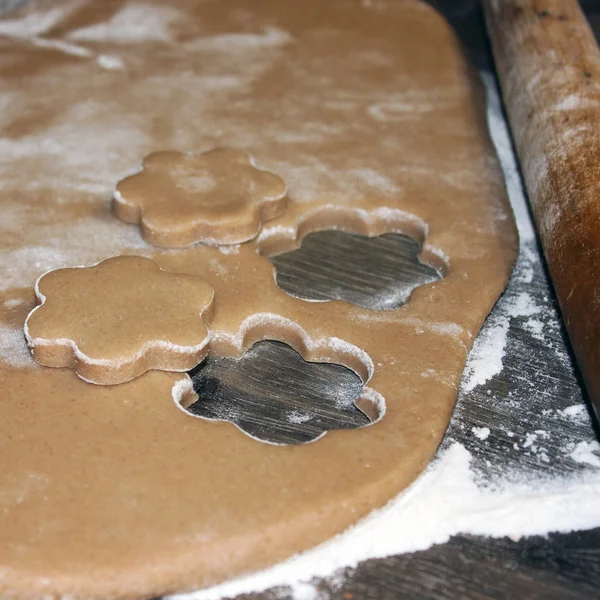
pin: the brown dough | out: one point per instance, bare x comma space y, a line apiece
217, 197
371, 116
119, 319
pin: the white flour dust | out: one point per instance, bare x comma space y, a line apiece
487, 354
586, 453
135, 22
577, 412
13, 348
481, 433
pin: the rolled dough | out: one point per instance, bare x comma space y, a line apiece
371, 116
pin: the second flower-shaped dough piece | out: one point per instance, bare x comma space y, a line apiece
116, 320
216, 197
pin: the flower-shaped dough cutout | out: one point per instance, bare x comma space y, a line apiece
116, 320
216, 197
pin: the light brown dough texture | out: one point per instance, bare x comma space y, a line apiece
216, 197
373, 119
116, 320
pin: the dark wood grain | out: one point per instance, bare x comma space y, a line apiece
548, 63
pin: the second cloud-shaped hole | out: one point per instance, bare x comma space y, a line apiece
377, 273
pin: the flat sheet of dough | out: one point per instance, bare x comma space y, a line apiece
370, 114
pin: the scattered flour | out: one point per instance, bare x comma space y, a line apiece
13, 347
298, 417
270, 37
487, 354
233, 249
536, 328
61, 46
12, 302
32, 27
110, 62
532, 444
523, 305
404, 106
375, 179
577, 412
445, 328
87, 241
481, 433
587, 453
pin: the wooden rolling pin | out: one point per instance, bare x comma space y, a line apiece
548, 63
